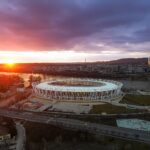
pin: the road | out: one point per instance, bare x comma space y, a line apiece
74, 124
21, 136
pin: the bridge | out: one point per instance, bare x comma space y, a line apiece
97, 116
77, 125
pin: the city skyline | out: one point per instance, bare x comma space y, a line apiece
70, 31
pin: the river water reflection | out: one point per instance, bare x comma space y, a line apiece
129, 84
26, 76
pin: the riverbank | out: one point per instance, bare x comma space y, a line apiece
128, 84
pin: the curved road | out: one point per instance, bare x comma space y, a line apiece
21, 136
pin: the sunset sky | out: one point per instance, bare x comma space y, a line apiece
72, 30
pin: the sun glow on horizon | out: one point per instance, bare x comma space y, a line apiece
9, 62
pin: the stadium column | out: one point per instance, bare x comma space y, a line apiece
46, 94
111, 94
106, 95
115, 92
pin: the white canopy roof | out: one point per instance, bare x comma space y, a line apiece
106, 86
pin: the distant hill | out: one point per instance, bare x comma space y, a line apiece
138, 61
125, 61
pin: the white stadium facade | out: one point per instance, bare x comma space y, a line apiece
79, 90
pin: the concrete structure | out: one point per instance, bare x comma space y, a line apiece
79, 90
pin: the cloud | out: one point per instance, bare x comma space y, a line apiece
80, 25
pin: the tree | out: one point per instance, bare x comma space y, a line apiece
34, 79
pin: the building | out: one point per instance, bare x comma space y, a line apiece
79, 90
136, 124
4, 134
149, 61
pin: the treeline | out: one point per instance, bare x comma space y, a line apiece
8, 80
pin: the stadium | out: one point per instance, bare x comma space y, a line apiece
79, 90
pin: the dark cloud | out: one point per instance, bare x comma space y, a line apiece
73, 24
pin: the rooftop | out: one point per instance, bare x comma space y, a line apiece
3, 130
136, 124
98, 86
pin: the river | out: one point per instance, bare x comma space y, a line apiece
128, 84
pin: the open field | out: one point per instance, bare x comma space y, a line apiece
111, 109
136, 99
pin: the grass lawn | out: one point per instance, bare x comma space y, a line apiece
111, 109
136, 99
